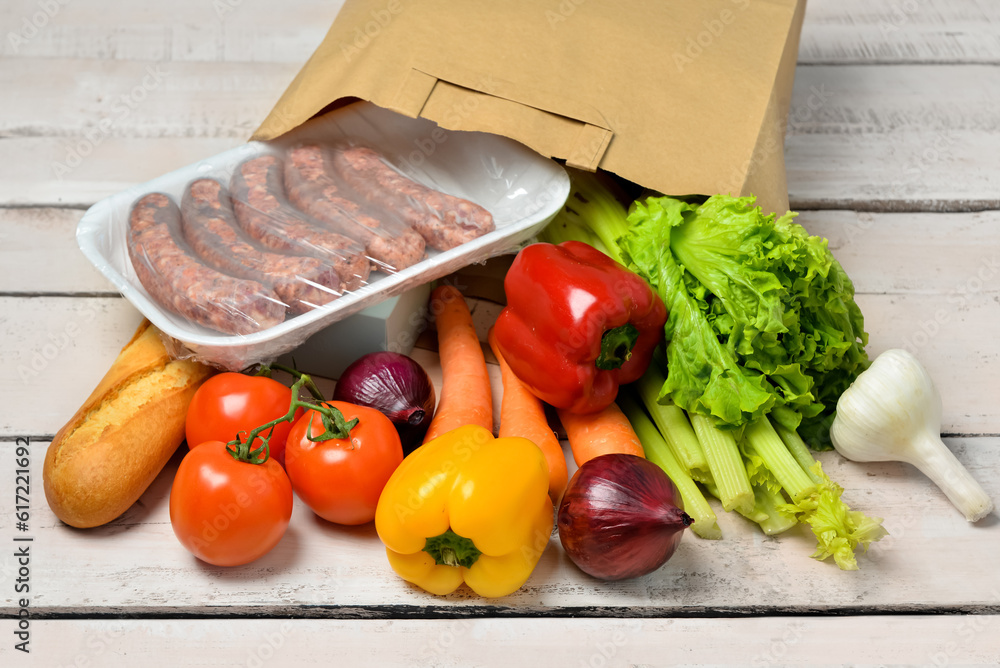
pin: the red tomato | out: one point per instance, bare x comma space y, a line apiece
230, 403
341, 479
227, 512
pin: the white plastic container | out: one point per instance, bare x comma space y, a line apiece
521, 189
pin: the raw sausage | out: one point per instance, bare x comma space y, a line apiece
312, 188
210, 228
265, 214
444, 221
176, 279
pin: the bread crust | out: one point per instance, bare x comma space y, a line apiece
119, 440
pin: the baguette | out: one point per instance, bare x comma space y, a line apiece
116, 444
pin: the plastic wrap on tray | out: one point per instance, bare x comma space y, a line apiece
444, 221
242, 257
176, 279
265, 214
315, 189
209, 226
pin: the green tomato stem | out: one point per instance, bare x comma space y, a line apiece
295, 373
336, 425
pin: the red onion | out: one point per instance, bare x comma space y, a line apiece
619, 517
394, 384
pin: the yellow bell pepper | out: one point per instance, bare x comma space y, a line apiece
465, 507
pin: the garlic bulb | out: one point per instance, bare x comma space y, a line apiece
892, 412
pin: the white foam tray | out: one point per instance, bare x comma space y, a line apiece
522, 190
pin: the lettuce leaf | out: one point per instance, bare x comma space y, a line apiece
762, 318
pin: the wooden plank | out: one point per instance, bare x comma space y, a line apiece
39, 254
186, 30
136, 566
58, 349
91, 100
949, 254
834, 31
905, 138
926, 282
900, 31
954, 336
69, 343
860, 137
863, 640
51, 171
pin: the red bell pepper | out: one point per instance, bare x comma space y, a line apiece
577, 324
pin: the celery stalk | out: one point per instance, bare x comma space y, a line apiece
764, 512
657, 451
799, 450
839, 530
770, 503
567, 227
725, 463
591, 212
762, 439
673, 424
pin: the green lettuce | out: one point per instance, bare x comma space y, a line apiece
762, 318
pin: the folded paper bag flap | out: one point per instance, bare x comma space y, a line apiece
694, 94
558, 127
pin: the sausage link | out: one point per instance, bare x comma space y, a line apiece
176, 279
264, 213
313, 189
210, 228
444, 221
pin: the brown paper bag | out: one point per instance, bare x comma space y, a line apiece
680, 96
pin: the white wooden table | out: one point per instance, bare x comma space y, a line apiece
893, 153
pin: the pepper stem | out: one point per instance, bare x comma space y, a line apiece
616, 346
450, 549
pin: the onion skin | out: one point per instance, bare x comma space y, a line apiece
619, 517
396, 385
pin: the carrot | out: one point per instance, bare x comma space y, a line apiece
523, 414
600, 433
466, 397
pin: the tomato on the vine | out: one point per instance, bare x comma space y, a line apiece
225, 511
230, 403
342, 478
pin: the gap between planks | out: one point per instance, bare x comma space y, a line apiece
432, 612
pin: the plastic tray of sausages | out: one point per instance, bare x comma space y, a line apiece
240, 258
